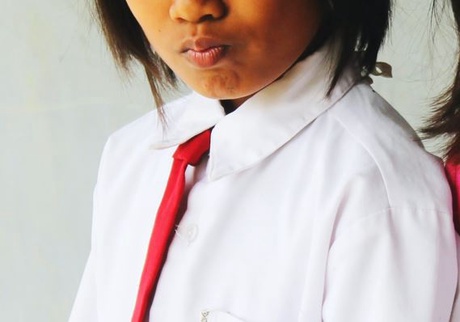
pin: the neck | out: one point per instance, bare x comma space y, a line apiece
231, 105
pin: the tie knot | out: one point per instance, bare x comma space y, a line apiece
192, 150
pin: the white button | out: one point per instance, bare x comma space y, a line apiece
187, 233
192, 233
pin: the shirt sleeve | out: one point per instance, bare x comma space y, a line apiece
455, 317
399, 265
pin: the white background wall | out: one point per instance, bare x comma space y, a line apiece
60, 97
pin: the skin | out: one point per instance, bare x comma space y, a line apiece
257, 41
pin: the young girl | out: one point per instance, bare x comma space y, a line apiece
316, 201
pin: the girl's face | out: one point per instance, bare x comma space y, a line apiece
228, 49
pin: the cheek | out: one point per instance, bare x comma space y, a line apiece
150, 16
138, 9
279, 26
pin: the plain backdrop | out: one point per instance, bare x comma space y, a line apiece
60, 98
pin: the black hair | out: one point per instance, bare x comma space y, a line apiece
358, 26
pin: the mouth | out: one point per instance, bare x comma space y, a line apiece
204, 52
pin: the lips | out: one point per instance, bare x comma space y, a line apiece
204, 52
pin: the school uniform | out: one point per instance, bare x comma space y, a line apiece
308, 208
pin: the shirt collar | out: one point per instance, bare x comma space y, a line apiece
263, 124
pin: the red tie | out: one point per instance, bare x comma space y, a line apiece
188, 153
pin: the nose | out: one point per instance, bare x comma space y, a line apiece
196, 11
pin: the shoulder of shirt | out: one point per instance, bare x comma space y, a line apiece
150, 124
411, 175
366, 116
135, 138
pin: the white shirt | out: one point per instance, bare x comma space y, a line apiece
307, 209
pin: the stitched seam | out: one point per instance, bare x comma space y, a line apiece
365, 148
